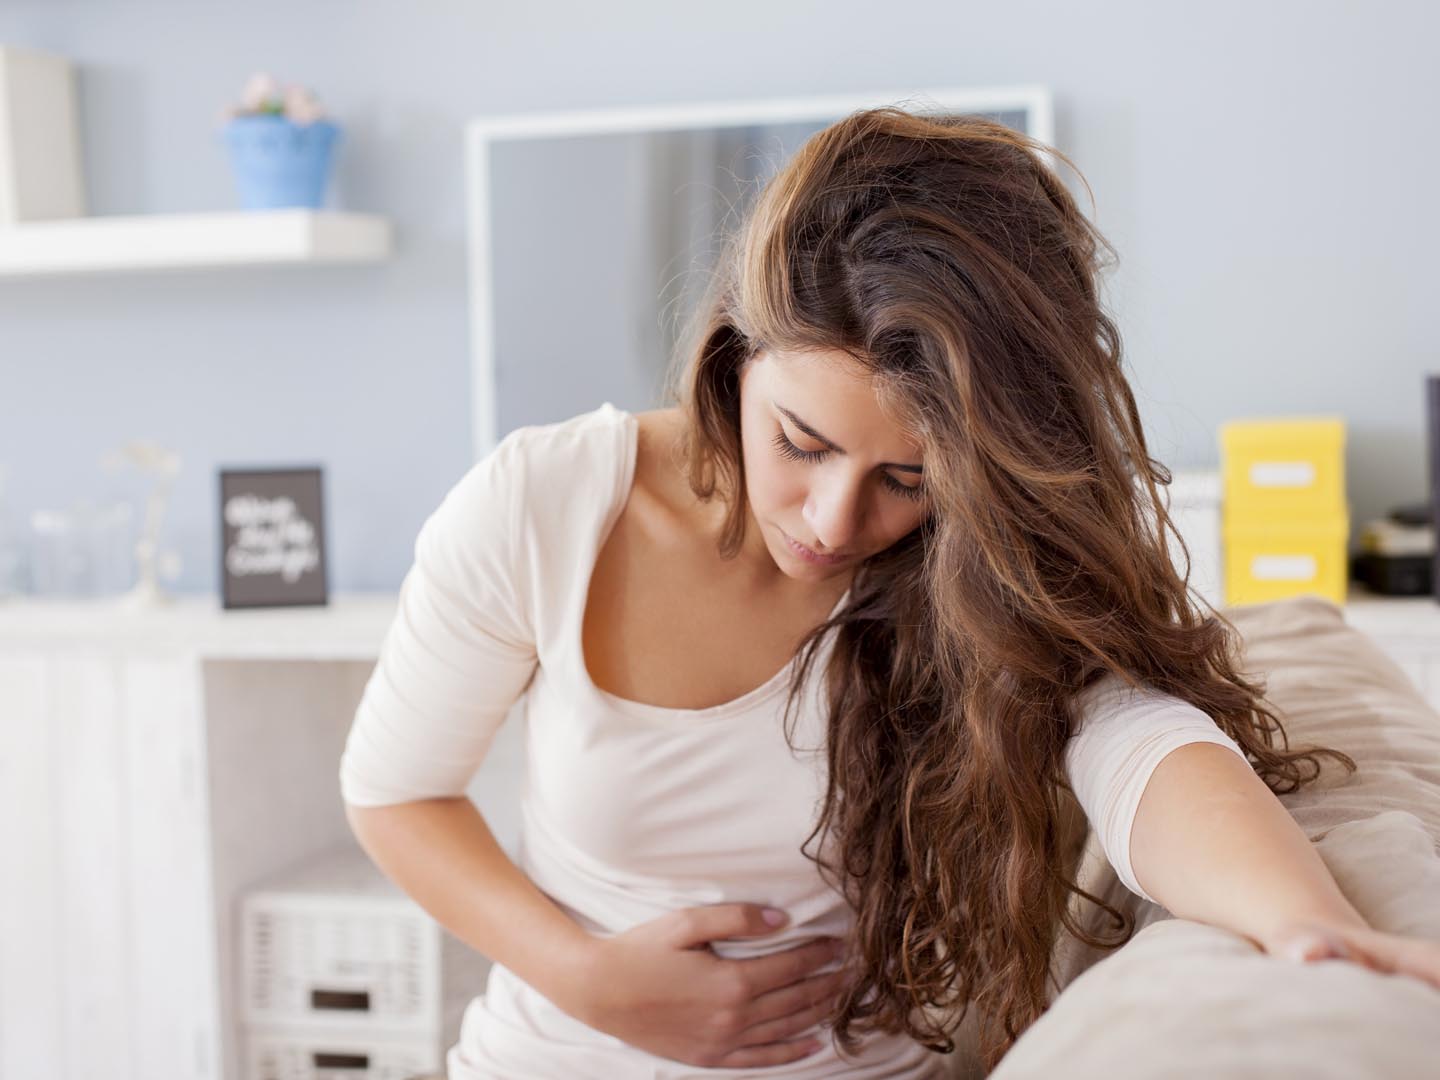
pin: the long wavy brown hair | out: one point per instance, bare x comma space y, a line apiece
944, 254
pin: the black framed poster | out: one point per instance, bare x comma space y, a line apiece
272, 537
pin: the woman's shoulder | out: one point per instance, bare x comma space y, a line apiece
590, 441
1109, 694
562, 464
538, 476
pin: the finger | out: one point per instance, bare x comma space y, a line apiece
697, 926
788, 1026
789, 965
1316, 945
798, 995
1402, 955
1422, 961
771, 1054
1311, 943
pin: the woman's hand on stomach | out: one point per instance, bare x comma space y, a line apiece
660, 987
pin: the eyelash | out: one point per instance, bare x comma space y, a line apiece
794, 453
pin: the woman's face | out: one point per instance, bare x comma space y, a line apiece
823, 465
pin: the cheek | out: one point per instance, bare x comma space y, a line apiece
770, 480
774, 485
901, 522
891, 518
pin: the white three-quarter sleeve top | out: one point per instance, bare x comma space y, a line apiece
631, 810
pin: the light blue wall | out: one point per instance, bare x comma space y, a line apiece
1266, 171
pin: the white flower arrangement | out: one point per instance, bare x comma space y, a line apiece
263, 96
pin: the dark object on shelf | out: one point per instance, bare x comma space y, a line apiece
1432, 461
1411, 514
1397, 553
1393, 575
272, 538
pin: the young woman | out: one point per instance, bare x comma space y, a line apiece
832, 636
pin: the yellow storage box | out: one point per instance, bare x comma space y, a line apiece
1283, 466
1270, 559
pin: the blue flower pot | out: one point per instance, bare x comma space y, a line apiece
278, 162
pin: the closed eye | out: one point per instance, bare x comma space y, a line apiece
794, 453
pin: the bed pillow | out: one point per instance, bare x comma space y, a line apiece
1184, 999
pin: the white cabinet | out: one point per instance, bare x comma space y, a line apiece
103, 918
152, 767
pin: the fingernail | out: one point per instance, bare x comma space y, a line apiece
1307, 949
773, 916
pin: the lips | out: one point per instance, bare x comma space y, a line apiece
810, 556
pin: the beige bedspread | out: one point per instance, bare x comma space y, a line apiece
1183, 999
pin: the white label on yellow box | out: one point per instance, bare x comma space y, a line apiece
1282, 474
1283, 567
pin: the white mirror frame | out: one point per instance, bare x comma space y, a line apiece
484, 132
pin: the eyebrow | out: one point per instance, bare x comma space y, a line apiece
808, 430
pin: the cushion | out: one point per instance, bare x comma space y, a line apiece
1184, 999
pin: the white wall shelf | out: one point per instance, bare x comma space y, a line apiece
108, 244
349, 627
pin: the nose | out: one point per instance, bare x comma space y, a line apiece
832, 510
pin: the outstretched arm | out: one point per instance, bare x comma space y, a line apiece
1212, 843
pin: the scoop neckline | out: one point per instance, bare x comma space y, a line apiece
629, 428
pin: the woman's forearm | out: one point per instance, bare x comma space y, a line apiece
1212, 843
443, 855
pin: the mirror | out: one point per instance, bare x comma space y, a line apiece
593, 237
